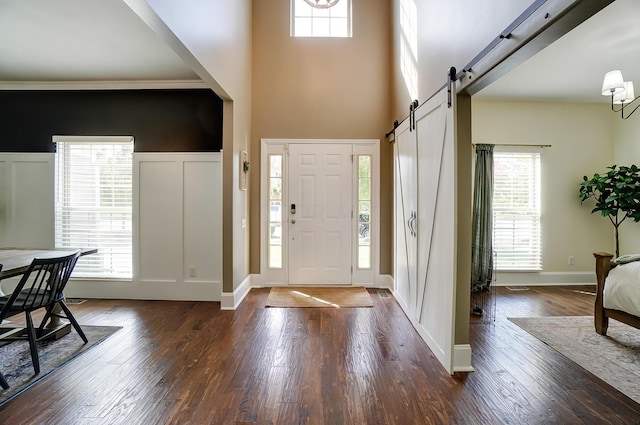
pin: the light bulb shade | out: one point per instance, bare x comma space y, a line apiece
626, 96
613, 83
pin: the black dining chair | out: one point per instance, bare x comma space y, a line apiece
41, 286
3, 382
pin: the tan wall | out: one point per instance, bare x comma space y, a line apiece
627, 152
581, 136
218, 34
448, 33
313, 88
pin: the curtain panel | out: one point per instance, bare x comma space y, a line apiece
482, 230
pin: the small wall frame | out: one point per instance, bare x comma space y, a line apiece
244, 170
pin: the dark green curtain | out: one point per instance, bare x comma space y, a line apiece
482, 231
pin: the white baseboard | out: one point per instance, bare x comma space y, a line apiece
462, 354
545, 278
231, 300
144, 290
384, 281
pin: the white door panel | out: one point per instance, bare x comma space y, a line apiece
436, 233
406, 205
320, 187
425, 211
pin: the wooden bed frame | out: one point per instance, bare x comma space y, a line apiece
601, 314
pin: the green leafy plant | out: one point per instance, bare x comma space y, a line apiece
616, 195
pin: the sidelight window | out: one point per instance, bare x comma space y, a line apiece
275, 212
364, 212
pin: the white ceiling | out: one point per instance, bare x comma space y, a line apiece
82, 40
103, 40
572, 68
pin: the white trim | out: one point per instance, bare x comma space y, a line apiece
144, 290
280, 146
545, 278
231, 300
92, 139
384, 281
462, 355
103, 85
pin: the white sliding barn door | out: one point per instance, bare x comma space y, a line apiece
405, 216
435, 304
320, 187
425, 224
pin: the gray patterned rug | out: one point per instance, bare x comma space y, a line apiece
17, 368
614, 358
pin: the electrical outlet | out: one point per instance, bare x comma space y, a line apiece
572, 260
192, 271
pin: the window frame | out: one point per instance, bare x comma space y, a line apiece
533, 263
292, 17
84, 269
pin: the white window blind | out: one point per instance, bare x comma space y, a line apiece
516, 210
93, 205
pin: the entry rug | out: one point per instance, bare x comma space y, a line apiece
614, 358
17, 368
331, 297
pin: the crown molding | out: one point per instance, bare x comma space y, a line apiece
103, 85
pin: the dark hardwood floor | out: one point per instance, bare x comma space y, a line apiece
191, 363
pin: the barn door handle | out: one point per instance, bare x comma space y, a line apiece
415, 220
411, 223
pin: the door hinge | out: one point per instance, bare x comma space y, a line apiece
351, 269
351, 213
352, 155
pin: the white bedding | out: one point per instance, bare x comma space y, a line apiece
622, 288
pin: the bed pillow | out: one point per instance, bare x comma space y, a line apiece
629, 258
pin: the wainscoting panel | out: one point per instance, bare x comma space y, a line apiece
177, 226
179, 220
27, 199
159, 218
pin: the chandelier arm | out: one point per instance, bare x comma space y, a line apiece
613, 108
627, 105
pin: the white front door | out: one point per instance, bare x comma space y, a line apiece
319, 209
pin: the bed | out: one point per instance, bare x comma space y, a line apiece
618, 290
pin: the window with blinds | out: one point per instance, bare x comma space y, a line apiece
93, 205
516, 210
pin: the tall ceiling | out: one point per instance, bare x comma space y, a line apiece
572, 68
103, 40
82, 40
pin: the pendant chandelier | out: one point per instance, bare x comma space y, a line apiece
621, 93
322, 4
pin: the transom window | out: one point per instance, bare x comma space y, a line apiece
325, 21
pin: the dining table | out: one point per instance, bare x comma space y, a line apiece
15, 262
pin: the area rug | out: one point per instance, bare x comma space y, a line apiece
331, 297
17, 368
614, 358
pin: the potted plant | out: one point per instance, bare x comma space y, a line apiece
616, 195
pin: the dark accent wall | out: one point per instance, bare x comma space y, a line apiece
185, 120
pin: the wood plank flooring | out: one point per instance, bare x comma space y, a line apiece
191, 363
